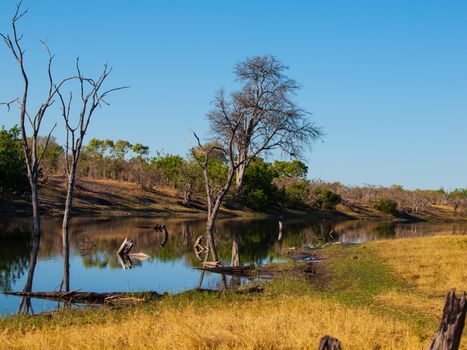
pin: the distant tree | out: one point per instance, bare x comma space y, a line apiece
261, 116
141, 152
52, 155
118, 153
120, 149
12, 166
294, 168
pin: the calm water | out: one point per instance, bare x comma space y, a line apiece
95, 266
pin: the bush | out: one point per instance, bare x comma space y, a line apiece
325, 199
13, 173
297, 195
387, 206
259, 192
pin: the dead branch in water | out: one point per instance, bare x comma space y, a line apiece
86, 297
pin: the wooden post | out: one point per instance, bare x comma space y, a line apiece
449, 333
126, 246
329, 343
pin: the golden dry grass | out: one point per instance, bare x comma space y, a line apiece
282, 323
430, 265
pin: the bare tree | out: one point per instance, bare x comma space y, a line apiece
264, 113
91, 96
33, 121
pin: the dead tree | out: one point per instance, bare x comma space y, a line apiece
268, 118
275, 133
91, 96
32, 121
449, 333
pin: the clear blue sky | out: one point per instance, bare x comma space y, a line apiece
387, 80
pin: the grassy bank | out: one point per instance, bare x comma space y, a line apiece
379, 295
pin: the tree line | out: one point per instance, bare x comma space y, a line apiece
267, 185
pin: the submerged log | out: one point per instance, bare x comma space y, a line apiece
329, 343
126, 247
87, 297
449, 333
229, 270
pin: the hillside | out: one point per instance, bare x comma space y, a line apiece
107, 197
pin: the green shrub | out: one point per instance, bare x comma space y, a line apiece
297, 195
325, 199
259, 192
387, 206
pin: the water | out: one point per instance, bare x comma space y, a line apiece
94, 265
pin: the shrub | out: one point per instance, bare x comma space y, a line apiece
325, 199
387, 206
297, 195
259, 192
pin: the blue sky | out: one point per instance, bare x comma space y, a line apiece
386, 80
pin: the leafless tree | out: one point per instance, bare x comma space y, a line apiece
92, 96
227, 144
263, 114
33, 121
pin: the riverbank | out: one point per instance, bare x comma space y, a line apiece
117, 198
384, 294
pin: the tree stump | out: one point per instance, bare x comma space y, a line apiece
126, 247
449, 333
329, 343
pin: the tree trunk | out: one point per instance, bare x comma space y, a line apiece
449, 333
239, 175
66, 229
210, 235
25, 303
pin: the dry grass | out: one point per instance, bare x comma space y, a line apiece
282, 323
429, 265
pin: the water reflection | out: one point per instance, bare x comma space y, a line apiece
95, 266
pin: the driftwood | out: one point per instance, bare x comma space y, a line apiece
126, 247
329, 343
449, 333
87, 297
228, 270
139, 256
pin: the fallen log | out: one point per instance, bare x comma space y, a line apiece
76, 296
229, 270
449, 333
